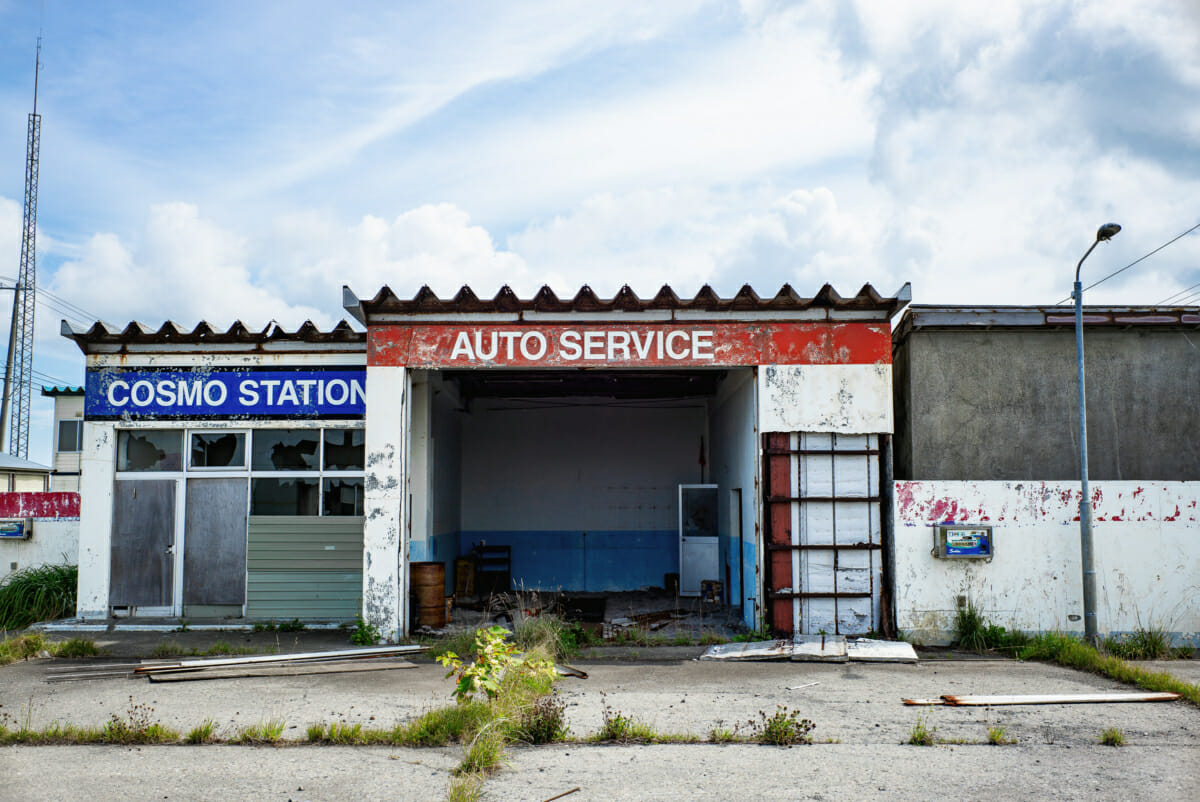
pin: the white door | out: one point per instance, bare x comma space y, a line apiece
699, 552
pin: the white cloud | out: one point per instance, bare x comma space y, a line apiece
309, 256
183, 268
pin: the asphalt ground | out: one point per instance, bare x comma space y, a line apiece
860, 724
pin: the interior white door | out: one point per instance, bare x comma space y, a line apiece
699, 546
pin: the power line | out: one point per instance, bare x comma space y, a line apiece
77, 309
1172, 298
1135, 261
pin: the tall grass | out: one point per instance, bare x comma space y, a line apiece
38, 594
1070, 651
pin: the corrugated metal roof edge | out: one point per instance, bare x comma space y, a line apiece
203, 333
53, 390
426, 302
925, 316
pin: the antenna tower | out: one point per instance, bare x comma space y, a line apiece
18, 371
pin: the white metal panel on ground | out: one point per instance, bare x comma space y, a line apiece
868, 650
819, 649
757, 650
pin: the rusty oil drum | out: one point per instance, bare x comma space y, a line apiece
428, 583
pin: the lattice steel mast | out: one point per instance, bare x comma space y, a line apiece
18, 370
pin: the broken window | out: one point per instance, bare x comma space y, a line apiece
344, 449
343, 496
218, 450
150, 450
286, 450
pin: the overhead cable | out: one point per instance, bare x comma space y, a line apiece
1135, 261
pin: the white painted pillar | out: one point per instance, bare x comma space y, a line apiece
385, 602
97, 467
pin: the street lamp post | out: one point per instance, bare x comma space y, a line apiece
1104, 234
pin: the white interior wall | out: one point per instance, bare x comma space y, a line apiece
734, 464
1147, 560
578, 467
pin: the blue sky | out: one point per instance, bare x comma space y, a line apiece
226, 160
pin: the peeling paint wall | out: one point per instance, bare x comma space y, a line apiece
384, 594
98, 462
845, 399
1147, 552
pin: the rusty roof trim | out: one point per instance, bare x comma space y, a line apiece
546, 300
506, 302
975, 318
626, 300
99, 337
746, 299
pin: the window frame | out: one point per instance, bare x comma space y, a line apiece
78, 427
246, 471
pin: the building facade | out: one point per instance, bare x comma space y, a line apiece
603, 445
987, 436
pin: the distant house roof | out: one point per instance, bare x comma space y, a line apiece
1021, 317
56, 390
386, 306
11, 463
135, 337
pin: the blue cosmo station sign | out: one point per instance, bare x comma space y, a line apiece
230, 393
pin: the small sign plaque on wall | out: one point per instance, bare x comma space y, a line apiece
962, 541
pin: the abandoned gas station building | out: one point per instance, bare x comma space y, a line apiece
590, 445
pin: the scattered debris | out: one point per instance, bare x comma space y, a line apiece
956, 700
564, 793
300, 662
331, 667
565, 670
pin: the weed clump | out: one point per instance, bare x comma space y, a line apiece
783, 727
973, 632
136, 728
921, 734
266, 732
543, 722
1144, 643
202, 734
22, 647
616, 726
997, 735
76, 648
365, 633
1112, 737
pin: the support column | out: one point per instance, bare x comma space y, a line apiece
385, 602
97, 468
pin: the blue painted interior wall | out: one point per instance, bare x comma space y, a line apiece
587, 495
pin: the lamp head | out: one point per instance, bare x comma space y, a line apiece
1107, 232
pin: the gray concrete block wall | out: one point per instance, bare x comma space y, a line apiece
1002, 404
